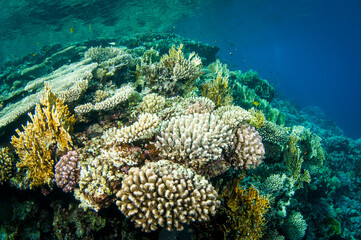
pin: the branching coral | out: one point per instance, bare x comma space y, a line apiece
174, 74
257, 118
120, 95
152, 103
166, 194
249, 207
292, 156
295, 226
233, 115
249, 150
194, 139
49, 126
143, 128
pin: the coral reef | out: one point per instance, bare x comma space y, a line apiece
140, 102
166, 194
49, 126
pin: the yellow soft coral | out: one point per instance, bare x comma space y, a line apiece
50, 126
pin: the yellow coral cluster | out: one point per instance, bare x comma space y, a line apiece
294, 160
250, 208
49, 126
257, 118
218, 90
292, 156
244, 211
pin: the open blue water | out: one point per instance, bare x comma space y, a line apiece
310, 50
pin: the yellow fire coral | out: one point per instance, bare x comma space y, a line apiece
247, 209
50, 126
218, 90
240, 216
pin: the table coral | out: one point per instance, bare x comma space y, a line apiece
50, 125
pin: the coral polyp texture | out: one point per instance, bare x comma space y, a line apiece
165, 194
50, 126
249, 150
67, 171
194, 139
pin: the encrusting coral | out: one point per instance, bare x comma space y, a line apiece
165, 194
102, 167
50, 126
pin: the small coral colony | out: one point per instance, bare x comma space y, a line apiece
161, 129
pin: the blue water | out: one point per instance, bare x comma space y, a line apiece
310, 50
